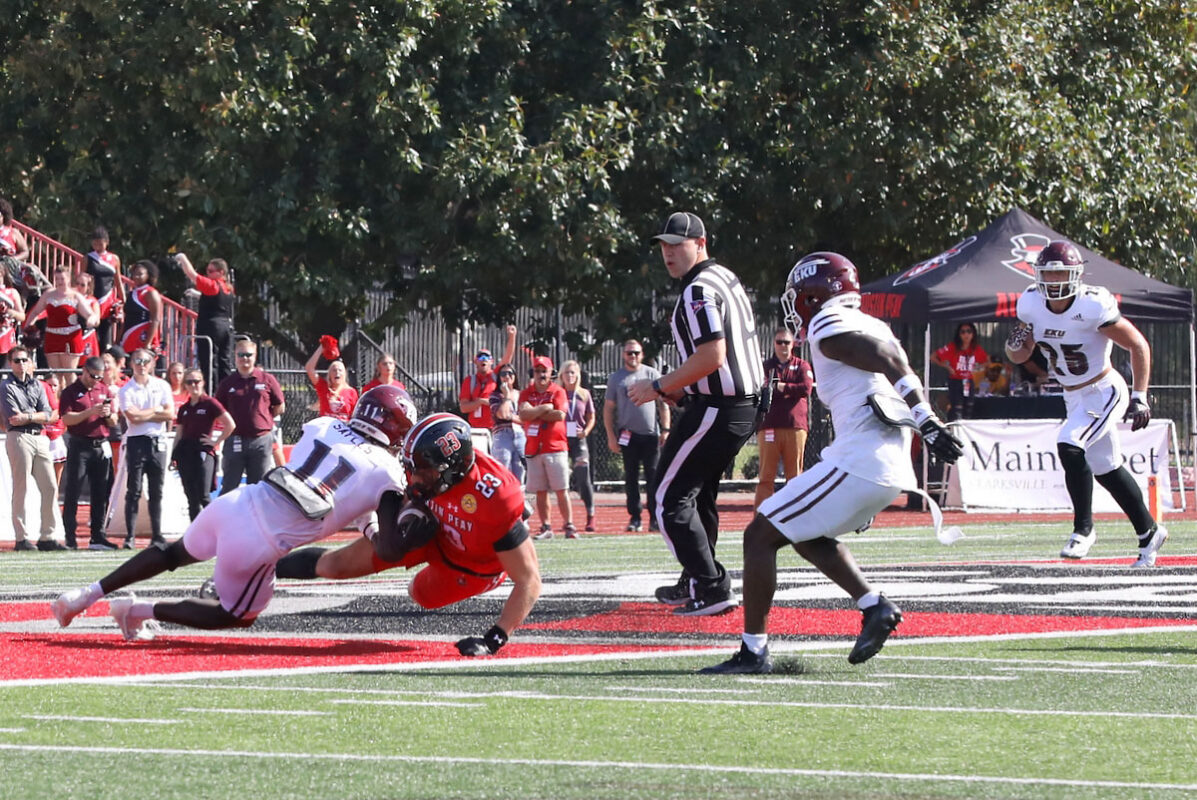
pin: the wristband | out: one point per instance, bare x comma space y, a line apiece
657, 388
495, 638
921, 413
908, 383
1140, 396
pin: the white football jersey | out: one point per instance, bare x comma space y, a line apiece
1076, 350
339, 463
864, 446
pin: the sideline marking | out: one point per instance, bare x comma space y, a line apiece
1070, 670
632, 765
260, 711
117, 720
445, 703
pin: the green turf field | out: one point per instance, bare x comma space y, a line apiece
1108, 715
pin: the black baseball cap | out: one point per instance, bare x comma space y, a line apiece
680, 226
117, 352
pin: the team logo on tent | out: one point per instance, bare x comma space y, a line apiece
933, 263
1025, 248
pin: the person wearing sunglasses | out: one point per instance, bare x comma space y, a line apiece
147, 406
26, 413
202, 425
254, 398
635, 432
476, 389
782, 436
960, 357
88, 408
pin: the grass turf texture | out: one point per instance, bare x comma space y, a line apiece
1069, 716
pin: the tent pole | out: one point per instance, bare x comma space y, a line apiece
1192, 402
927, 384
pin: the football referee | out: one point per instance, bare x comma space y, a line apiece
718, 381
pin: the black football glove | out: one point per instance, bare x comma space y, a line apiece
485, 645
939, 441
1138, 413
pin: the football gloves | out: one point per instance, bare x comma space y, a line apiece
485, 645
939, 441
1018, 336
1138, 414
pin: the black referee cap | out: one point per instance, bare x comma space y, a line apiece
680, 226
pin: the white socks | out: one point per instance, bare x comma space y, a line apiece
868, 600
756, 642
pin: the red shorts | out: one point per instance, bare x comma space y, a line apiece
68, 343
91, 344
439, 584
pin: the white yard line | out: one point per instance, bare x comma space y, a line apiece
260, 711
446, 703
1070, 670
606, 765
113, 720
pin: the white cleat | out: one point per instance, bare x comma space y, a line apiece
1148, 553
132, 628
1078, 545
69, 605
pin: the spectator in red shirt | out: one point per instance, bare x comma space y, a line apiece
89, 411
336, 397
960, 357
783, 432
253, 398
384, 374
474, 399
203, 425
214, 317
543, 406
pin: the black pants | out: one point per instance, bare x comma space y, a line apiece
245, 456
84, 459
642, 450
220, 357
197, 470
144, 455
699, 448
961, 403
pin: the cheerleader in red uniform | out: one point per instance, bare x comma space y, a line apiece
143, 309
91, 342
337, 398
67, 312
12, 314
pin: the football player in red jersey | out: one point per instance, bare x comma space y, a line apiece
464, 521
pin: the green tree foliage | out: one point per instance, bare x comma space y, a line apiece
482, 155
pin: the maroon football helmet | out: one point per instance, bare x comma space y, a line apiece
814, 280
384, 415
1063, 257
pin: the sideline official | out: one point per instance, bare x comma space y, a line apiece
721, 377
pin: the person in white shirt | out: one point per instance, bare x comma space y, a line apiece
337, 474
866, 381
1075, 326
148, 406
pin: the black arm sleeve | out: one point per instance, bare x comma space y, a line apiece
513, 538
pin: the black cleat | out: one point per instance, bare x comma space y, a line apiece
675, 594
103, 543
879, 622
709, 606
744, 662
50, 546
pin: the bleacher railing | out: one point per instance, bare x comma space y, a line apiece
178, 322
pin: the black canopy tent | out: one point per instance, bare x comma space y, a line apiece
980, 278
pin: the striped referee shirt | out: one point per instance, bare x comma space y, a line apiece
713, 305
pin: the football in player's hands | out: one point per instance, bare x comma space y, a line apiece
400, 533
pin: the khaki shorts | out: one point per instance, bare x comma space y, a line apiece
548, 472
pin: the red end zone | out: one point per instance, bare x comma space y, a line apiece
33, 656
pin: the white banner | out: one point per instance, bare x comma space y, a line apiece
1013, 465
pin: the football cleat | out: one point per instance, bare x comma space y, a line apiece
707, 606
675, 594
69, 605
744, 662
1078, 544
134, 629
1147, 552
878, 623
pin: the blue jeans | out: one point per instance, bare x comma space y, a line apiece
508, 446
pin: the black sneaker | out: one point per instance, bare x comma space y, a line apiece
653, 526
24, 545
50, 546
128, 545
633, 525
744, 662
102, 544
879, 622
708, 606
675, 594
